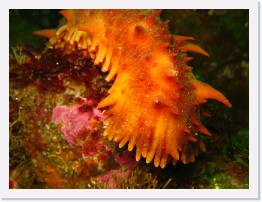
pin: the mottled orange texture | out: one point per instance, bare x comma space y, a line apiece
154, 102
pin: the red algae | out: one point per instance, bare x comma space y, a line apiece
39, 84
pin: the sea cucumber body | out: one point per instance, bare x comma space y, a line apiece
154, 102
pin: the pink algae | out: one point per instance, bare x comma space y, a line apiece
111, 178
81, 125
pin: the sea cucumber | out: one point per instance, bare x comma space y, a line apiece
154, 102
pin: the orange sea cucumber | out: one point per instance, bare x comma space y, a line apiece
154, 102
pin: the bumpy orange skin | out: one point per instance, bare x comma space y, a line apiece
154, 102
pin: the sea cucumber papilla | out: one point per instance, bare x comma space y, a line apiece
154, 102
